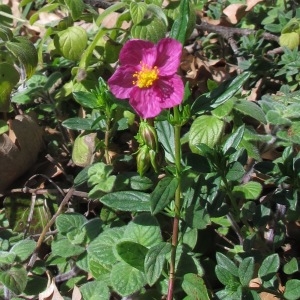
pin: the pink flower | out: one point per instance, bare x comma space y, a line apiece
147, 76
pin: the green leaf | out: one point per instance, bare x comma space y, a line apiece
292, 25
223, 110
292, 289
5, 33
163, 193
144, 229
137, 11
225, 277
179, 28
236, 171
165, 134
155, 260
14, 279
78, 123
6, 21
246, 271
71, 42
197, 216
290, 40
234, 139
220, 95
92, 229
250, 190
151, 29
100, 271
269, 267
62, 247
140, 183
132, 253
127, 201
251, 109
291, 267
157, 11
195, 287
101, 248
126, 279
224, 262
206, 129
25, 52
230, 90
23, 249
100, 178
86, 99
69, 221
7, 258
95, 290
76, 8
83, 149
9, 77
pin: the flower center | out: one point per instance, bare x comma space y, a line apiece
146, 76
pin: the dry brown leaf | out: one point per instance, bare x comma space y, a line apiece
252, 3
51, 293
19, 149
111, 19
235, 12
199, 69
76, 295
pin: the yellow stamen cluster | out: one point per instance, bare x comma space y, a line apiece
146, 76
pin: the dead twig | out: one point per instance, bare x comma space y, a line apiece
229, 32
48, 226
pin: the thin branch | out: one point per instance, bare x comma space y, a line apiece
45, 191
98, 3
228, 32
48, 226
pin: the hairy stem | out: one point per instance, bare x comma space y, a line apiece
178, 205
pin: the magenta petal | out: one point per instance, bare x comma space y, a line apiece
132, 52
168, 56
170, 91
145, 102
121, 82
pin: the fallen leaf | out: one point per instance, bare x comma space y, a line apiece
235, 12
76, 295
252, 3
51, 293
18, 149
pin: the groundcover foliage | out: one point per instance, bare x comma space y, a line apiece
149, 149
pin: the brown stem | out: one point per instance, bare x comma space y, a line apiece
48, 226
228, 32
173, 258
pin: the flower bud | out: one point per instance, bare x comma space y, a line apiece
148, 136
143, 160
153, 159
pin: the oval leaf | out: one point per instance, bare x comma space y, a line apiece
14, 279
137, 11
155, 260
206, 129
9, 77
163, 193
132, 253
126, 279
127, 201
25, 52
250, 190
152, 29
71, 42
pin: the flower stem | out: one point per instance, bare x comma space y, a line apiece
178, 205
